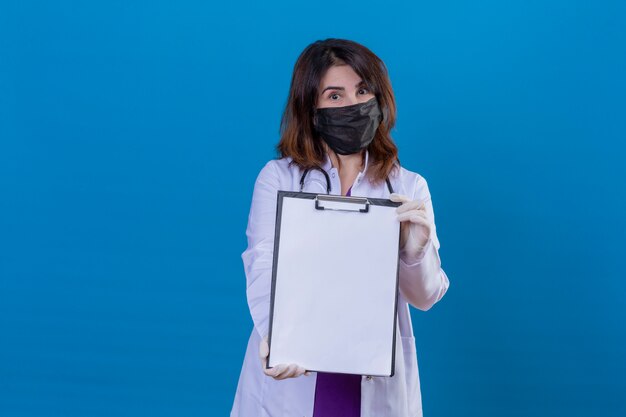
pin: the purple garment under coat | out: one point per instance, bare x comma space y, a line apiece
337, 395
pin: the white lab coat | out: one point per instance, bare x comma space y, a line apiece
422, 284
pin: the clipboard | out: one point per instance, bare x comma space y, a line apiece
334, 296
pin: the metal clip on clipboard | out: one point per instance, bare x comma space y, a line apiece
341, 203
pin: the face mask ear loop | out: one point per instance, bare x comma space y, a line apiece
384, 115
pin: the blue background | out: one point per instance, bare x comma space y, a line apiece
131, 134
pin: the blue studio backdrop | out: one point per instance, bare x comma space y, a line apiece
131, 133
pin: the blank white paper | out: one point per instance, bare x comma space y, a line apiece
335, 290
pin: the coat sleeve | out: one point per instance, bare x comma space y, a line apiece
257, 258
423, 282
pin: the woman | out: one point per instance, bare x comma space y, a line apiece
335, 137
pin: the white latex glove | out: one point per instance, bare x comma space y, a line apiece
280, 371
415, 227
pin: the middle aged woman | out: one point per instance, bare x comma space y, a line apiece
335, 138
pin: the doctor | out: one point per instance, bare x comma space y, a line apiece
335, 138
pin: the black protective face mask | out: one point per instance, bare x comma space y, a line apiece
348, 129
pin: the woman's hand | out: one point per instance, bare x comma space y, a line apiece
280, 371
415, 227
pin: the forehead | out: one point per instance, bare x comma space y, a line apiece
340, 76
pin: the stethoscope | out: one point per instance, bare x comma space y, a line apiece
306, 171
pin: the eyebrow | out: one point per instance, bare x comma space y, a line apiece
362, 83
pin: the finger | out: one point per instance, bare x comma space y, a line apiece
423, 223
415, 218
264, 349
277, 369
398, 198
289, 372
410, 214
410, 205
299, 371
293, 371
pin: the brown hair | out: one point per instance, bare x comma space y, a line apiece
298, 138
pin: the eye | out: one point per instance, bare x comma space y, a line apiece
333, 96
364, 91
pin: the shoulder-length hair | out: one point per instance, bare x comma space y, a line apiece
298, 138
